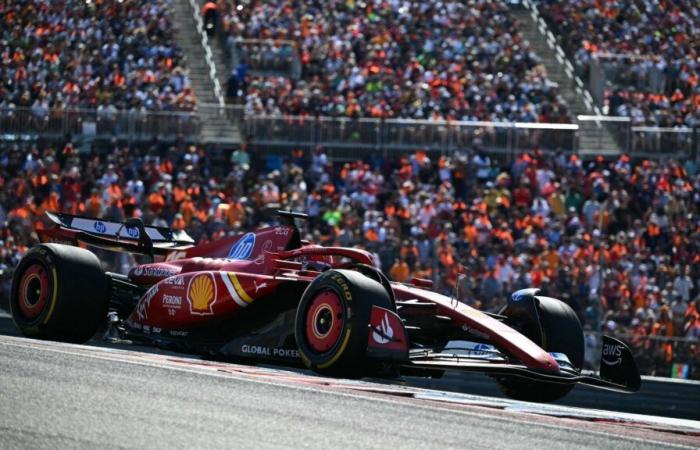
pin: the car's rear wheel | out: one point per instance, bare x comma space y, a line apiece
59, 292
561, 332
332, 320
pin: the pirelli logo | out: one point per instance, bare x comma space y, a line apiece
235, 290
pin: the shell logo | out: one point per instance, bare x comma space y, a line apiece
201, 293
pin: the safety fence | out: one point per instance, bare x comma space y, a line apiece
640, 140
353, 137
609, 71
29, 123
348, 137
663, 356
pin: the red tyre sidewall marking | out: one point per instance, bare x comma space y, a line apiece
29, 310
322, 341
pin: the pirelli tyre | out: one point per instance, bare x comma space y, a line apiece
332, 320
59, 292
376, 274
561, 332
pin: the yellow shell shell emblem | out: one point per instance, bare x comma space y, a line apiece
201, 294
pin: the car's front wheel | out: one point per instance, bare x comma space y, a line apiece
561, 332
332, 321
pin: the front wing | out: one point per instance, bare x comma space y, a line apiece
618, 370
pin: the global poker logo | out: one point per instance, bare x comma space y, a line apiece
243, 248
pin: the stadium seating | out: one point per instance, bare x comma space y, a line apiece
110, 54
655, 45
420, 60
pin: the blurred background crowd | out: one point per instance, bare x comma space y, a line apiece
457, 61
107, 55
655, 42
618, 240
421, 60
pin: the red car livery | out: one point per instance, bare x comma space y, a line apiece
269, 296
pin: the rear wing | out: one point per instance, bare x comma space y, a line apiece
131, 236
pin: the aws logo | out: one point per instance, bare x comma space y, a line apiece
612, 354
201, 294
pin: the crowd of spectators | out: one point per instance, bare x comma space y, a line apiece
617, 240
108, 55
402, 59
653, 47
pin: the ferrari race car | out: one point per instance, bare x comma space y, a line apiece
269, 297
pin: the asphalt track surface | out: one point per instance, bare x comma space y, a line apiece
55, 395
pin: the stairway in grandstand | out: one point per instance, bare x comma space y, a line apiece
594, 137
216, 126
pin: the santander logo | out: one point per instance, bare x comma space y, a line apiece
383, 333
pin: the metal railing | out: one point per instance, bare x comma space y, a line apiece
23, 123
665, 142
354, 137
644, 141
609, 71
350, 137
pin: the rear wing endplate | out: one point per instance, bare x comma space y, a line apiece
131, 236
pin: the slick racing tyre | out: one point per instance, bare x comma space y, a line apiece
332, 320
59, 292
376, 274
561, 332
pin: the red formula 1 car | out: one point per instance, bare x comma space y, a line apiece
270, 297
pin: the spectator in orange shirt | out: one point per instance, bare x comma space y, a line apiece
399, 270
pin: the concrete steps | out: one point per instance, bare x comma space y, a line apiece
223, 66
592, 138
216, 128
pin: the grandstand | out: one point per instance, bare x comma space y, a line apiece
441, 76
440, 135
649, 49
